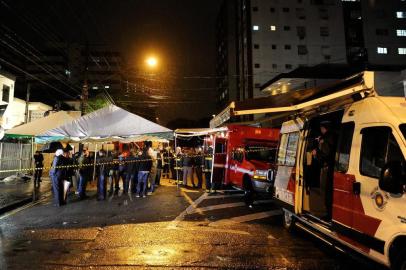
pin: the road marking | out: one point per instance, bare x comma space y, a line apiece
217, 206
246, 218
224, 196
193, 205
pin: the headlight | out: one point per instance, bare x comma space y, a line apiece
260, 174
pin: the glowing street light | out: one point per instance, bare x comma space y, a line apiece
152, 62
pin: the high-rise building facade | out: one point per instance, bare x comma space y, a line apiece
272, 37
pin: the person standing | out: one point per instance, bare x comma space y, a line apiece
208, 166
122, 169
152, 177
178, 164
165, 168
39, 164
159, 168
85, 172
187, 164
114, 173
325, 155
172, 160
56, 174
145, 164
198, 165
104, 164
130, 177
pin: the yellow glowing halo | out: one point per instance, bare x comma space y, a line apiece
152, 61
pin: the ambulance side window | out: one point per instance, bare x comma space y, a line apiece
344, 147
378, 148
287, 149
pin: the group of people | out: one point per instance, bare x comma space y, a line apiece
191, 161
139, 170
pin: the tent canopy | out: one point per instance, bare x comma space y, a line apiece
106, 124
191, 132
40, 126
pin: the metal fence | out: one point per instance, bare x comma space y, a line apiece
15, 156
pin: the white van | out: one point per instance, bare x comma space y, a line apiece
361, 203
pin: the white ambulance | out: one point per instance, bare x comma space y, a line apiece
360, 203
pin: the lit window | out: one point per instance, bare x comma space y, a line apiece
95, 87
106, 87
255, 28
272, 28
382, 50
401, 32
401, 14
401, 50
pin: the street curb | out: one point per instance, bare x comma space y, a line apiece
14, 206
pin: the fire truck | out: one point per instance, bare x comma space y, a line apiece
361, 204
244, 156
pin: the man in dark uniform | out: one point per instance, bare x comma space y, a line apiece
39, 164
325, 155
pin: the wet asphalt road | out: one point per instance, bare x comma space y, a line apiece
171, 229
18, 190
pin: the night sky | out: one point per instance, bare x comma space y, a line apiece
181, 33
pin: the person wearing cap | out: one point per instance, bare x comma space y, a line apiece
56, 173
325, 154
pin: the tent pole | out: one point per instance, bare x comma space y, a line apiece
95, 159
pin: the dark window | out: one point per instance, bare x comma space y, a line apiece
324, 31
287, 47
299, 1
344, 147
273, 47
301, 32
285, 9
257, 65
327, 57
256, 46
257, 85
272, 9
382, 32
219, 148
355, 14
6, 93
301, 50
288, 66
255, 9
323, 13
378, 148
300, 13
286, 28
274, 65
403, 129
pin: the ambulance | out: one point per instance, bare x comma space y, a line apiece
367, 192
360, 203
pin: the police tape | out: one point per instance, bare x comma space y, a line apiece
208, 156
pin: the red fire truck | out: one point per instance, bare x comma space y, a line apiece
244, 156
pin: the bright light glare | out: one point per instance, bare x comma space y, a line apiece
152, 62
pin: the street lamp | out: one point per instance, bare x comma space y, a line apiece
152, 62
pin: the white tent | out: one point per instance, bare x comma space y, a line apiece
40, 126
105, 124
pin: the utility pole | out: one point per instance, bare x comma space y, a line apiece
85, 88
27, 102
